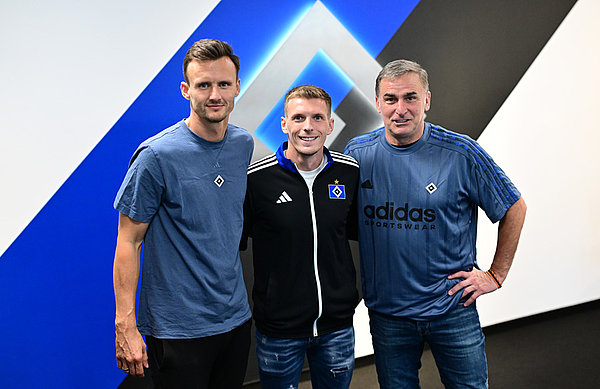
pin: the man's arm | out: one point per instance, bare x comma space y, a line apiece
479, 282
130, 347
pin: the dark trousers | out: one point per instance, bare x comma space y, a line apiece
212, 362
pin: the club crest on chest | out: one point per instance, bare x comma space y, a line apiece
337, 191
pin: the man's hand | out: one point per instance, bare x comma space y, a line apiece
476, 282
131, 351
479, 282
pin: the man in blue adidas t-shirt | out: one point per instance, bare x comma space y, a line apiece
183, 198
421, 187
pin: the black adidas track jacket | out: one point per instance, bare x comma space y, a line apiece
297, 294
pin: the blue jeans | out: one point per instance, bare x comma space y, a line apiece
330, 358
456, 341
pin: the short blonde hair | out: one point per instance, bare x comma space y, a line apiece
307, 92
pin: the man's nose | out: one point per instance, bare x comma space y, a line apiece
400, 108
215, 93
308, 124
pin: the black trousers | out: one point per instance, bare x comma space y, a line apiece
212, 362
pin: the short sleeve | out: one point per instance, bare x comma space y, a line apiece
347, 151
491, 190
141, 192
251, 149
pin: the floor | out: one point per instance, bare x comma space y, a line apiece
553, 350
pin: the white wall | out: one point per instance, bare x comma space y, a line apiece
546, 136
68, 71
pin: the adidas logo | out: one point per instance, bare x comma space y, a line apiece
284, 198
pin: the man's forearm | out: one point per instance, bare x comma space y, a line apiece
126, 269
125, 276
509, 232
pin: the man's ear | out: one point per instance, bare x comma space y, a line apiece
185, 89
284, 125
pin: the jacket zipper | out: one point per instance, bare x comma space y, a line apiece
315, 242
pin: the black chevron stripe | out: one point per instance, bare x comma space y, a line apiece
475, 52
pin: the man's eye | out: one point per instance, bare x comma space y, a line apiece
203, 85
297, 118
318, 117
224, 84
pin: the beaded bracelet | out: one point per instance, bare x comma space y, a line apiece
493, 275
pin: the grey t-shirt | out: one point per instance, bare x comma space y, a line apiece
191, 191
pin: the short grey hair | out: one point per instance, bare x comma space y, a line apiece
399, 68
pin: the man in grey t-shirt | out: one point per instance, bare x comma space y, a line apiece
182, 198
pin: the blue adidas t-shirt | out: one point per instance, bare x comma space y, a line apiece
191, 191
418, 217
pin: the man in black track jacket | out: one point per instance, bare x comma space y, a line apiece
300, 211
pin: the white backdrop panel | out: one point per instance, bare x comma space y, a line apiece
545, 137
